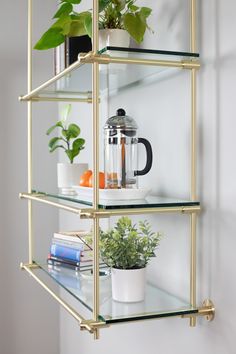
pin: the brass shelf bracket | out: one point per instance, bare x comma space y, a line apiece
207, 310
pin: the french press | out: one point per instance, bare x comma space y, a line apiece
121, 152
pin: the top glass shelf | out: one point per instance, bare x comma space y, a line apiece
119, 68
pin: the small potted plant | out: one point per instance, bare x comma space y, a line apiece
68, 173
127, 249
122, 15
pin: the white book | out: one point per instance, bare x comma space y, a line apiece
71, 236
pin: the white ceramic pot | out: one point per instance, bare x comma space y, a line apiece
113, 38
68, 175
128, 285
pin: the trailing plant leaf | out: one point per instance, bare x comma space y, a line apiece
50, 39
145, 12
77, 27
103, 4
135, 25
88, 25
65, 9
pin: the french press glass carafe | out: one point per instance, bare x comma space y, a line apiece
121, 152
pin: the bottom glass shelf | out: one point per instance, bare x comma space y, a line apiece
158, 303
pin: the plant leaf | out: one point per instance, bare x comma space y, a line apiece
135, 25
78, 144
77, 27
65, 112
58, 124
133, 8
88, 24
73, 130
65, 9
73, 1
64, 22
103, 4
70, 155
53, 144
145, 12
50, 39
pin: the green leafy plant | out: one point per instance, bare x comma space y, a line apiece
121, 14
68, 139
127, 246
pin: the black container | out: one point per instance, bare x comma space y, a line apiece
67, 53
76, 45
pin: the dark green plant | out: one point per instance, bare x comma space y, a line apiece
127, 246
123, 14
68, 139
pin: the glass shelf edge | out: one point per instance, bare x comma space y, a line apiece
174, 313
149, 51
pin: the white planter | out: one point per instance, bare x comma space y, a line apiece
113, 38
128, 285
68, 175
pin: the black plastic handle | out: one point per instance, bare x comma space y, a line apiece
148, 166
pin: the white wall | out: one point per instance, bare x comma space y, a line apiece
166, 111
28, 316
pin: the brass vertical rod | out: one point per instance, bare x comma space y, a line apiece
95, 100
193, 163
29, 132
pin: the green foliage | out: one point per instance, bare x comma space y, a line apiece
127, 246
68, 140
123, 14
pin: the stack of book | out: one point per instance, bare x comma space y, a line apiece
70, 250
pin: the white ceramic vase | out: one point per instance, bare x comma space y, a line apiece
113, 38
68, 175
128, 285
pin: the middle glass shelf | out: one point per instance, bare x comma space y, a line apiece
143, 65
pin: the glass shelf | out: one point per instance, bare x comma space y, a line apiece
148, 202
158, 303
76, 81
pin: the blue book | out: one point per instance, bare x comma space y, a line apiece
65, 252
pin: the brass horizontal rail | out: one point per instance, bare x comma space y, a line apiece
40, 197
58, 99
184, 64
136, 211
89, 325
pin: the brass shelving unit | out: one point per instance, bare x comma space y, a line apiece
66, 87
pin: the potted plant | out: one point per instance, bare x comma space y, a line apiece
68, 139
127, 249
123, 15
